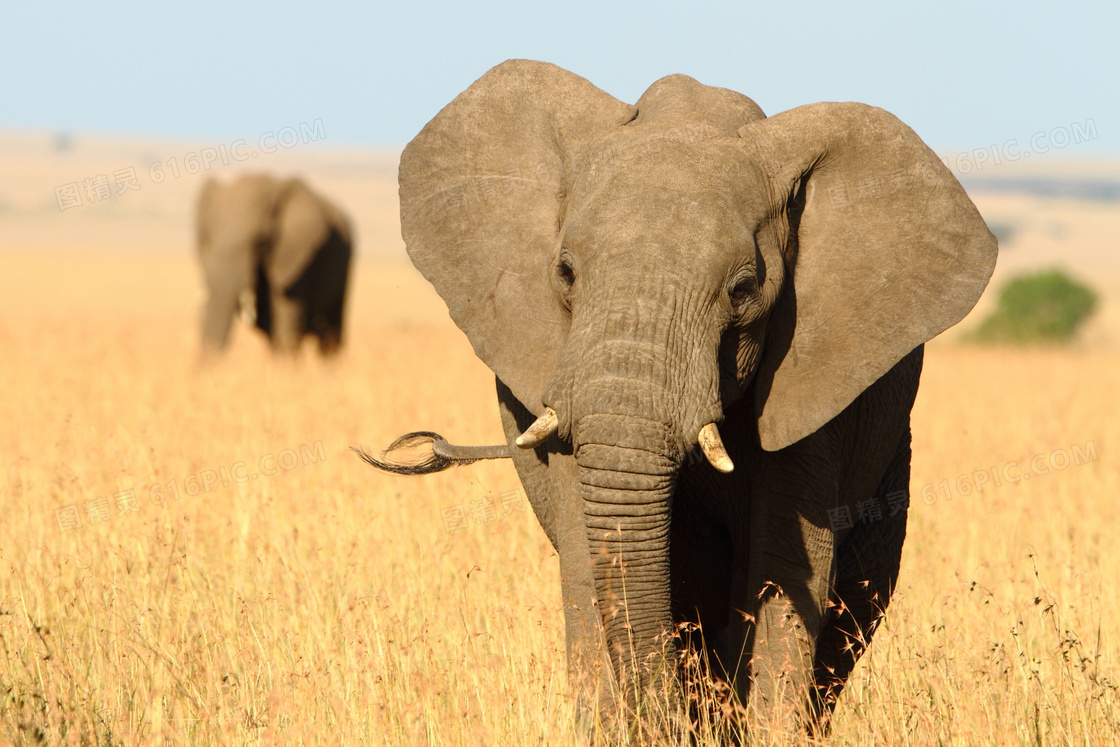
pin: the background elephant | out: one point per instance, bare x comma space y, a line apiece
277, 252
707, 331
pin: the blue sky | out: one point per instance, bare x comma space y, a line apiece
963, 75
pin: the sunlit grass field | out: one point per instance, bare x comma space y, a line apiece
194, 556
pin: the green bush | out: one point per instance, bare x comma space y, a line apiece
1046, 307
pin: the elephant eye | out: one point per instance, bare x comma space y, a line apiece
565, 272
742, 292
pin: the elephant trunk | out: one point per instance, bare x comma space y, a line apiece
634, 393
626, 486
217, 317
229, 268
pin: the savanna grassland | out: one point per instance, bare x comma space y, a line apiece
316, 601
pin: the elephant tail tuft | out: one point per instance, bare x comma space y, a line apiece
441, 456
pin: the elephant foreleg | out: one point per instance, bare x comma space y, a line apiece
551, 481
791, 596
867, 566
327, 325
780, 587
287, 323
217, 316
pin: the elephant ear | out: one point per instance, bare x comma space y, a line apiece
301, 229
885, 249
481, 191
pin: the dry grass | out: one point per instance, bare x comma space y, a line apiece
328, 604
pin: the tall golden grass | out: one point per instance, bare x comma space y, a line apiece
329, 604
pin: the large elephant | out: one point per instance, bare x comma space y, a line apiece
278, 253
707, 329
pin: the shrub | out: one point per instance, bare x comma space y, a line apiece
1045, 307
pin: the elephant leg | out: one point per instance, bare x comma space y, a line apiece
702, 555
263, 297
700, 562
217, 316
322, 290
780, 591
550, 477
287, 322
866, 573
328, 327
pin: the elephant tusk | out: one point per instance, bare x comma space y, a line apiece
712, 445
540, 430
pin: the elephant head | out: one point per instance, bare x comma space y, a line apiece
276, 252
630, 272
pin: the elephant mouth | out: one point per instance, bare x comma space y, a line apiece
711, 444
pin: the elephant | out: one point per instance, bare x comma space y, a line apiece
278, 254
706, 327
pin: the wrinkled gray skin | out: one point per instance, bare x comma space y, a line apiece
645, 270
279, 254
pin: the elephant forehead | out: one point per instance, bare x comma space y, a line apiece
692, 193
238, 209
